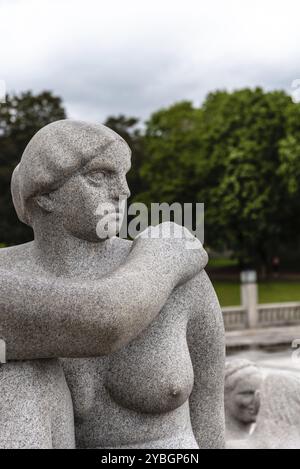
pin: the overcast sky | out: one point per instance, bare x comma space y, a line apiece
106, 57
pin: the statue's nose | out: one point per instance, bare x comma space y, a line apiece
121, 189
126, 192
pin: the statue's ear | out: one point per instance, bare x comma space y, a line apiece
45, 202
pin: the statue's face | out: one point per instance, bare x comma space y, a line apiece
243, 401
88, 203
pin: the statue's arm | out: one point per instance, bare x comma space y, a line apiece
63, 318
206, 342
54, 318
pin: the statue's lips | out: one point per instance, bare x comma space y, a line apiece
112, 213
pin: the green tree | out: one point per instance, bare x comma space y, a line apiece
289, 171
227, 155
172, 148
245, 194
20, 118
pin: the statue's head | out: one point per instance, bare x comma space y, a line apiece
243, 381
70, 171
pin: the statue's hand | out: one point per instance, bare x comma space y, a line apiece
174, 248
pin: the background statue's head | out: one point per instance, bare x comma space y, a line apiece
73, 173
243, 381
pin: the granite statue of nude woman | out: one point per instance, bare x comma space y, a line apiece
138, 323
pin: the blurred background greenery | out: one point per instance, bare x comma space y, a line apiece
239, 153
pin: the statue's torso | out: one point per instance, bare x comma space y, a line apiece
140, 393
135, 396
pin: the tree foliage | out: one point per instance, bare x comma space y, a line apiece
20, 118
234, 154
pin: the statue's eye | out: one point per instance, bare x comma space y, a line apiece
96, 177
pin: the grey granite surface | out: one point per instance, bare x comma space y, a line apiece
138, 322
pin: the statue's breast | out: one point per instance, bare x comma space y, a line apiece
154, 373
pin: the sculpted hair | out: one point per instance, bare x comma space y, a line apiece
281, 399
55, 153
232, 371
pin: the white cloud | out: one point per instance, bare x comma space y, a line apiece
135, 56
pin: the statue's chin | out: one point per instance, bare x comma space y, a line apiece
108, 226
250, 418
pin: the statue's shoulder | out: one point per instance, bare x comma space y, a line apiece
200, 288
16, 257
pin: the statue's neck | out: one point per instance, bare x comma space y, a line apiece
62, 254
237, 428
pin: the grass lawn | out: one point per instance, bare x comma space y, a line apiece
269, 292
219, 262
